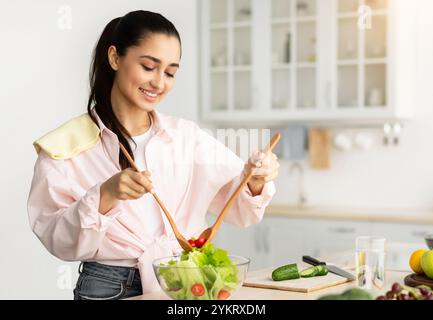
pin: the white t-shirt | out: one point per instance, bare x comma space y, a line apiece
140, 149
149, 208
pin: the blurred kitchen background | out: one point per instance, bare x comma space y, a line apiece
348, 83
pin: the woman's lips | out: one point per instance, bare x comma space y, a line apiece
149, 95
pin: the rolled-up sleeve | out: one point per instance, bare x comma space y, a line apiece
247, 209
223, 171
68, 224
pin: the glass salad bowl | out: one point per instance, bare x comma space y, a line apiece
193, 277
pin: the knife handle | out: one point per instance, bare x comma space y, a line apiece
312, 261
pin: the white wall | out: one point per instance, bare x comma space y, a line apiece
44, 83
397, 177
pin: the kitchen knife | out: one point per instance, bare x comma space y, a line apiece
331, 268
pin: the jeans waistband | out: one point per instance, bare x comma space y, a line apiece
111, 272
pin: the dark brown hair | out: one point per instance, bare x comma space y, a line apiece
122, 32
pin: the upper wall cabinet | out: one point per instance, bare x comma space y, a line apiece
276, 61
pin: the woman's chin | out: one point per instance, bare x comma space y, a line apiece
148, 107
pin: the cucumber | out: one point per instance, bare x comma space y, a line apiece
310, 272
357, 294
332, 297
350, 294
319, 270
286, 272
323, 270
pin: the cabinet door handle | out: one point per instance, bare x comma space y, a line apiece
342, 230
420, 234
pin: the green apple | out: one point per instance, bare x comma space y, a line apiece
427, 263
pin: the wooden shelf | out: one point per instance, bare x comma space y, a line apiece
397, 215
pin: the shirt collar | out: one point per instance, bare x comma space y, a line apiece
160, 126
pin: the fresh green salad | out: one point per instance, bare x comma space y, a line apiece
201, 274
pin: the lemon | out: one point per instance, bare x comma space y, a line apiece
415, 260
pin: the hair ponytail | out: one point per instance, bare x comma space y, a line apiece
122, 32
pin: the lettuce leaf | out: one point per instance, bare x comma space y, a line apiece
215, 272
170, 275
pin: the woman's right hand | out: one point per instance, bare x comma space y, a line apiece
125, 185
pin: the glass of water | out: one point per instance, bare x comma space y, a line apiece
370, 262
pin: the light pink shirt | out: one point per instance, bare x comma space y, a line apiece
191, 171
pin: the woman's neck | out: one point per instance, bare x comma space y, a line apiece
134, 119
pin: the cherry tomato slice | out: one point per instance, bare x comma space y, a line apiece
223, 294
200, 242
191, 242
197, 289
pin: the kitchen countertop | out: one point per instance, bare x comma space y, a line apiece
248, 293
417, 216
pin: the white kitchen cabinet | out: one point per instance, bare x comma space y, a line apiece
402, 232
327, 237
330, 237
402, 240
286, 240
271, 62
279, 240
251, 242
274, 241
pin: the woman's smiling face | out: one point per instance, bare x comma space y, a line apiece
146, 73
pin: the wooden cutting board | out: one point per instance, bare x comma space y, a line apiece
319, 146
263, 279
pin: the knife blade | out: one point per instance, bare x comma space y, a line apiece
334, 269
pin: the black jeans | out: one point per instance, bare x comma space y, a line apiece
102, 282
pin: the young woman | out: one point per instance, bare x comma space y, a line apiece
87, 204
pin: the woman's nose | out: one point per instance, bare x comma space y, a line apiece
157, 82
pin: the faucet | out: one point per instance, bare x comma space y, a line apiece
301, 195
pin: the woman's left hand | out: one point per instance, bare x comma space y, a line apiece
265, 169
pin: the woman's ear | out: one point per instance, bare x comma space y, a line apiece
113, 58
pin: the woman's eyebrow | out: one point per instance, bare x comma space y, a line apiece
158, 60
